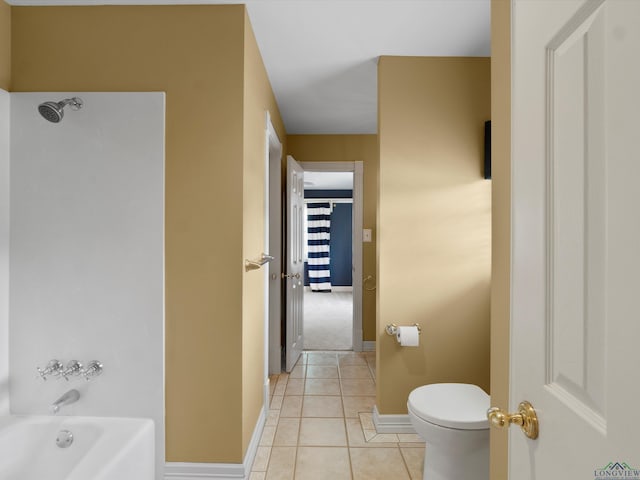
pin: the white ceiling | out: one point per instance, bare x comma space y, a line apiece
328, 180
321, 55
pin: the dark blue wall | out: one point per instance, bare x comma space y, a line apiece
341, 237
328, 193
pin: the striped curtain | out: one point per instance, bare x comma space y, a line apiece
319, 260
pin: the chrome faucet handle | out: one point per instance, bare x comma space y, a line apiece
74, 367
54, 367
94, 368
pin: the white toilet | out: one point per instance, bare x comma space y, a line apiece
452, 420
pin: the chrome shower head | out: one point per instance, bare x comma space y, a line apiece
54, 111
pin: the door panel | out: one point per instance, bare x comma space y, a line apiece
575, 236
295, 263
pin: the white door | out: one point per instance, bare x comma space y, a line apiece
274, 242
294, 275
576, 237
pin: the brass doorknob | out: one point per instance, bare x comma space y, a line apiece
526, 418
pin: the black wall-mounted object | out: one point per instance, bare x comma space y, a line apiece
487, 150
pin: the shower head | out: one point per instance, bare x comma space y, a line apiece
54, 111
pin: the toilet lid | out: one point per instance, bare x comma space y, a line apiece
452, 405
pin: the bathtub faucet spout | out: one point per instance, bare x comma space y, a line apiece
69, 397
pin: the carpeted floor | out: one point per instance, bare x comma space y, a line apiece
328, 320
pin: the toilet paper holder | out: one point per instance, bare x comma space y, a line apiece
392, 329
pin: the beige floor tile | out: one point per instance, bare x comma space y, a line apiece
358, 386
261, 461
282, 463
276, 402
322, 406
287, 432
380, 437
366, 420
257, 476
322, 463
295, 386
266, 440
298, 371
322, 371
317, 358
409, 438
355, 405
356, 435
378, 464
327, 432
281, 386
414, 459
354, 371
322, 386
291, 406
352, 359
273, 380
272, 418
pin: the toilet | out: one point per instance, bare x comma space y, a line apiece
452, 419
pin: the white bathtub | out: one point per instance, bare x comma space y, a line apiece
102, 448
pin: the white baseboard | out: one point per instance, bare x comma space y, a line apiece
369, 346
200, 471
219, 471
391, 423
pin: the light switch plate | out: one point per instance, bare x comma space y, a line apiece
366, 235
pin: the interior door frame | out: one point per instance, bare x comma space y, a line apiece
357, 168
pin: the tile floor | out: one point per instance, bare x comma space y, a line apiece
320, 425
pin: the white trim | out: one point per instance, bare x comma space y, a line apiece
369, 346
252, 449
358, 169
199, 471
391, 423
219, 471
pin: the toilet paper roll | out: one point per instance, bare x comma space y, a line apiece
408, 336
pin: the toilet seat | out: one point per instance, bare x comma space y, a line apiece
452, 405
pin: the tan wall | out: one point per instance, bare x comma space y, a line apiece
350, 148
195, 55
5, 46
501, 225
434, 223
258, 99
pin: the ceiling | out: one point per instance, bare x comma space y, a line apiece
328, 180
321, 55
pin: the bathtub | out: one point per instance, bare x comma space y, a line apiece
102, 448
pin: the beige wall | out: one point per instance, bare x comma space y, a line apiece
258, 99
350, 148
434, 223
196, 55
5, 46
501, 225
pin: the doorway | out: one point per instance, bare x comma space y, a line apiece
328, 257
276, 322
328, 314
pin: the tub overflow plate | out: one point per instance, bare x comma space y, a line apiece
64, 439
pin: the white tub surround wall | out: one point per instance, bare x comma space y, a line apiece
87, 254
4, 251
